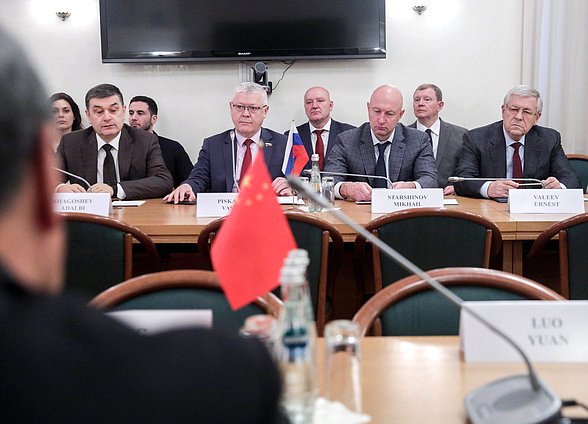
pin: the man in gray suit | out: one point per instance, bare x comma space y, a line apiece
320, 133
514, 148
382, 147
114, 158
446, 138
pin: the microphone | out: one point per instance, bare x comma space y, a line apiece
344, 174
505, 401
232, 135
75, 176
531, 181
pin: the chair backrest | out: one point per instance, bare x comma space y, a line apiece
410, 307
183, 289
431, 238
100, 252
580, 164
324, 244
573, 251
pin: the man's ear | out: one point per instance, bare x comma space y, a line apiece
44, 179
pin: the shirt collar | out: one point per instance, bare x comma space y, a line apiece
435, 128
114, 142
510, 141
241, 139
376, 141
325, 128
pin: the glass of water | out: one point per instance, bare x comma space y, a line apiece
342, 377
328, 190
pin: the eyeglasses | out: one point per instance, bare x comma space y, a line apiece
251, 109
527, 113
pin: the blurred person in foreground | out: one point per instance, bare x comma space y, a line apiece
65, 362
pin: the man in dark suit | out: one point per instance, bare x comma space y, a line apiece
514, 148
65, 362
224, 158
446, 138
319, 134
382, 147
114, 158
143, 114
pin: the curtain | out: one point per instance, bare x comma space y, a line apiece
555, 62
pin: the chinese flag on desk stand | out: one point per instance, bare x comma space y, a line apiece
249, 250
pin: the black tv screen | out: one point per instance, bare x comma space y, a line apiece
213, 30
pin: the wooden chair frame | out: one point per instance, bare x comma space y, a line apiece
131, 233
329, 265
368, 315
165, 280
560, 229
493, 242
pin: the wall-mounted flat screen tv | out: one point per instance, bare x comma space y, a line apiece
215, 30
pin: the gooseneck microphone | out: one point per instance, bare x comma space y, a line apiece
530, 181
345, 174
77, 177
232, 135
516, 399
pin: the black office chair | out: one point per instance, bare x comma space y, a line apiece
580, 164
324, 244
573, 251
430, 238
183, 289
100, 252
410, 307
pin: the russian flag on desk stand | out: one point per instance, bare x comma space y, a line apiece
249, 250
295, 157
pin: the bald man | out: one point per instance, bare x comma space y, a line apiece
382, 147
320, 133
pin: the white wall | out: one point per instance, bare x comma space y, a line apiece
471, 49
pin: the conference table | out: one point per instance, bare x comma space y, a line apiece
168, 223
424, 379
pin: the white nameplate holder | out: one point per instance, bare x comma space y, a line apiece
214, 204
546, 201
152, 321
547, 331
94, 203
386, 200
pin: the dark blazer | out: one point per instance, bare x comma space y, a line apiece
66, 362
484, 155
176, 159
213, 171
411, 156
142, 171
450, 142
336, 129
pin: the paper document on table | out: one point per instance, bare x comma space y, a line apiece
450, 202
290, 200
123, 203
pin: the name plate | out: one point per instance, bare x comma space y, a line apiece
214, 204
95, 203
152, 321
386, 200
547, 331
546, 201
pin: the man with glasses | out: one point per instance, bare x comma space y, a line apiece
224, 158
514, 148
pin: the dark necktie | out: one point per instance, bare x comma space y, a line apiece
428, 131
381, 166
246, 159
320, 148
108, 169
517, 167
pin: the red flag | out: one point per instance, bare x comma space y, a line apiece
249, 250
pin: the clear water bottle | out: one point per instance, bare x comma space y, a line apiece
315, 183
295, 350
